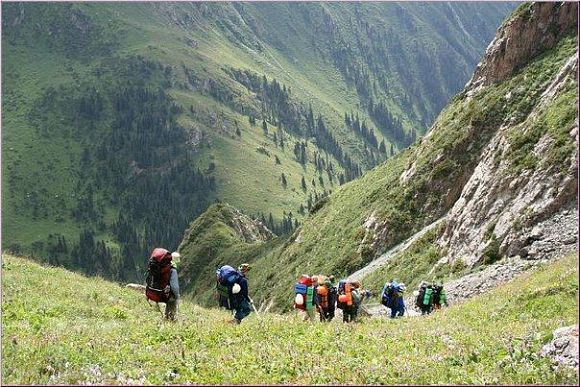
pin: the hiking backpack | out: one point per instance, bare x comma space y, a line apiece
427, 298
388, 295
436, 295
158, 273
304, 293
439, 296
344, 294
226, 278
420, 296
322, 293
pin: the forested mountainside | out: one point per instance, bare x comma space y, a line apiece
498, 166
122, 122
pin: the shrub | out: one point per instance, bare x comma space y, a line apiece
491, 253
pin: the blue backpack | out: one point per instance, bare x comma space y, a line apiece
390, 294
227, 276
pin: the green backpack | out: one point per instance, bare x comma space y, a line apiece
427, 297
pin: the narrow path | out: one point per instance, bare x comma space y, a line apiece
383, 259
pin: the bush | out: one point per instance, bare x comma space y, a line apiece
458, 265
491, 253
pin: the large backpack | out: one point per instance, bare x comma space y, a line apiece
322, 292
226, 278
420, 296
158, 273
344, 294
304, 293
332, 297
427, 298
436, 295
388, 295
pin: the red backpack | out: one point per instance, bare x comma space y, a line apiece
158, 272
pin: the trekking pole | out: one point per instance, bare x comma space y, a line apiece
254, 306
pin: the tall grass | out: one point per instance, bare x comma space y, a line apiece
62, 328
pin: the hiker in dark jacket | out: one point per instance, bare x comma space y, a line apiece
241, 300
439, 296
398, 309
424, 299
327, 312
172, 289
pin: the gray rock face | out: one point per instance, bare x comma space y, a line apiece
522, 38
496, 204
487, 279
248, 229
563, 349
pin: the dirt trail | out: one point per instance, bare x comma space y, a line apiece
380, 261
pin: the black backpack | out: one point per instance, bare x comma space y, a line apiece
437, 294
419, 300
332, 297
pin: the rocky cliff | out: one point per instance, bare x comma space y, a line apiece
527, 173
534, 28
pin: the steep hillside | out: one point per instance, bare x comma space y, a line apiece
499, 160
221, 235
122, 122
106, 334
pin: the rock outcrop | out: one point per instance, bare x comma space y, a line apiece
248, 229
498, 208
533, 30
563, 348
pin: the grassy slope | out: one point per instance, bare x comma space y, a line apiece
329, 241
108, 334
146, 29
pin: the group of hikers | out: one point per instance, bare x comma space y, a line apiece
321, 294
313, 294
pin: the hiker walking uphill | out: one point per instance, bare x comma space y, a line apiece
349, 299
424, 300
439, 296
326, 297
392, 298
162, 283
232, 288
304, 299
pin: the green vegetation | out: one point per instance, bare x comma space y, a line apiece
411, 266
84, 143
86, 330
421, 184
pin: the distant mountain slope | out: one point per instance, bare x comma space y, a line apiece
106, 334
122, 122
500, 159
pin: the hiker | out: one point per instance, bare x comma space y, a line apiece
349, 299
439, 296
232, 288
162, 282
304, 299
392, 298
400, 304
326, 298
357, 299
244, 268
424, 300
241, 300
332, 297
